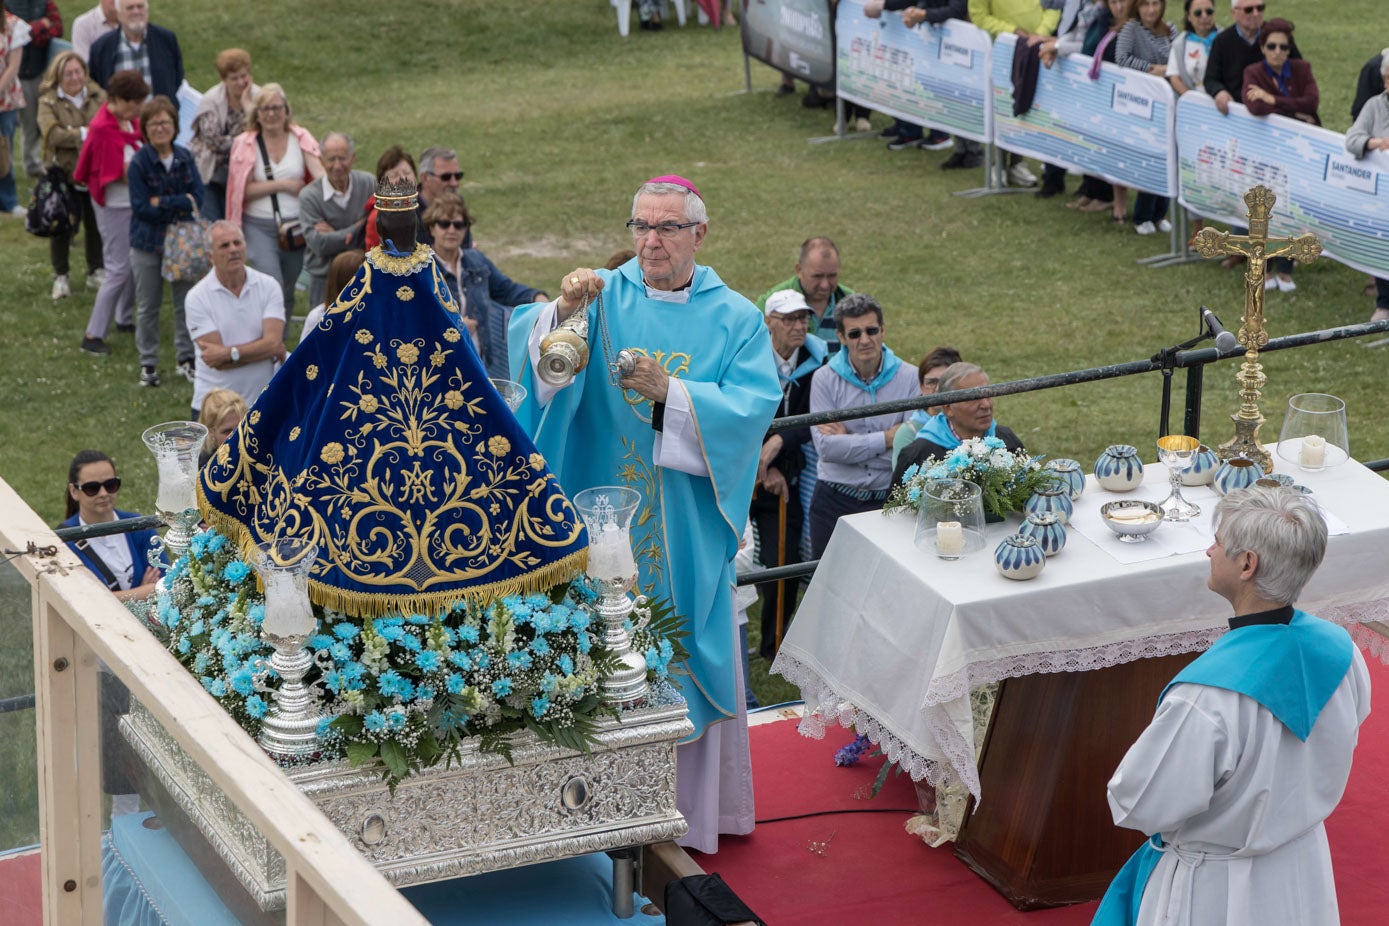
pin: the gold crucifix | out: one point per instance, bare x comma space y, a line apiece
1259, 248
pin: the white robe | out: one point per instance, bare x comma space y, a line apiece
1239, 801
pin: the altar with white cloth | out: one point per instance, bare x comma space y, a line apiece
890, 639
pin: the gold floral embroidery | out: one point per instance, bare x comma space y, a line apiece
255, 418
364, 336
379, 360
407, 353
453, 399
537, 461
311, 371
223, 454
405, 294
451, 335
400, 266
332, 453
436, 359
294, 433
498, 445
367, 403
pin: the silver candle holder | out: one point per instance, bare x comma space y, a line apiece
175, 445
607, 512
290, 728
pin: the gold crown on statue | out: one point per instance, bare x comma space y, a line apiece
396, 197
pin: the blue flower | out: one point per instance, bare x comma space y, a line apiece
425, 693
354, 671
323, 728
501, 687
914, 494
375, 722
583, 643
518, 659
910, 472
427, 660
460, 660
993, 443
236, 571
540, 647
566, 664
336, 681
257, 614
468, 633
215, 686
340, 651
539, 706
320, 641
455, 683
549, 683
409, 641
538, 601
391, 683
243, 682
578, 620
419, 620
480, 658
667, 650
255, 706
200, 662
184, 645
395, 720
216, 543
345, 630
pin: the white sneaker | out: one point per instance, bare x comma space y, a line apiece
1270, 284
96, 278
19, 212
861, 124
1145, 228
1019, 175
61, 289
1164, 226
1285, 283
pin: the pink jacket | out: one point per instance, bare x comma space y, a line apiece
245, 153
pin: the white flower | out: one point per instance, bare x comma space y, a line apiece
1001, 459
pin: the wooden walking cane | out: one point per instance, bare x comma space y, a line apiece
781, 561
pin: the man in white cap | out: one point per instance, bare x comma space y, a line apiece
781, 466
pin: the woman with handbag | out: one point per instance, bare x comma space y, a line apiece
270, 163
112, 140
166, 193
68, 99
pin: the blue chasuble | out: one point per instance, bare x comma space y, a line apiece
595, 433
1292, 669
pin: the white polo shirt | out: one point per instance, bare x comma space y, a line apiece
212, 308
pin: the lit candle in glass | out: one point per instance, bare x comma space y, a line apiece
950, 538
1313, 454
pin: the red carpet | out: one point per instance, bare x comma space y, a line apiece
873, 871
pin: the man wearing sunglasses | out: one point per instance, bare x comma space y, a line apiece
854, 467
439, 173
1235, 49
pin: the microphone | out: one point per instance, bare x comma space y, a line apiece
1225, 342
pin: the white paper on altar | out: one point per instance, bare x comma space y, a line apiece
891, 638
1172, 538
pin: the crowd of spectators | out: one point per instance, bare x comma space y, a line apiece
105, 113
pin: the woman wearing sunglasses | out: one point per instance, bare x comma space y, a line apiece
485, 296
1283, 85
118, 560
1186, 65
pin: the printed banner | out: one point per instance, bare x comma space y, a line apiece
1119, 126
1320, 187
936, 76
793, 36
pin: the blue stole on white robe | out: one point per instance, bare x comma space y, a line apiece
688, 527
1292, 669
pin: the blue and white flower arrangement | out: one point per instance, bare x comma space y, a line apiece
407, 690
1006, 478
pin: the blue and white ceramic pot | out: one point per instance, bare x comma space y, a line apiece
1047, 530
1236, 473
1119, 469
1071, 472
1203, 466
1051, 498
1019, 557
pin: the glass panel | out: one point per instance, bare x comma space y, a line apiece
19, 796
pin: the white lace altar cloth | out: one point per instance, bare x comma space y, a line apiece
889, 639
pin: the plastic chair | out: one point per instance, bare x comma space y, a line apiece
624, 14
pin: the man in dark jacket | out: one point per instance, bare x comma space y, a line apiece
141, 46
782, 460
1235, 49
45, 25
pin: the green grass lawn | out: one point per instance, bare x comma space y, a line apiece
557, 119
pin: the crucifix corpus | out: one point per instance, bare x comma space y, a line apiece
1259, 248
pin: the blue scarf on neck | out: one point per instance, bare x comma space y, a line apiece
816, 350
937, 431
840, 364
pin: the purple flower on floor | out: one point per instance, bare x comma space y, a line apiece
850, 753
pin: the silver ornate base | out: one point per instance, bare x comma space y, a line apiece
480, 815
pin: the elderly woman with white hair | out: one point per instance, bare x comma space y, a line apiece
1371, 133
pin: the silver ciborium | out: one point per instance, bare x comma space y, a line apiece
175, 445
290, 729
607, 512
1178, 453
